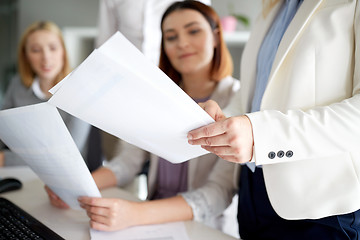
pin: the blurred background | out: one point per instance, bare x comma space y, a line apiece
78, 21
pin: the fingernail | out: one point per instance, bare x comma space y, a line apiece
189, 136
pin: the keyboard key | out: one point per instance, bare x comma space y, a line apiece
15, 223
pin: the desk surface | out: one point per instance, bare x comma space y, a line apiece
74, 224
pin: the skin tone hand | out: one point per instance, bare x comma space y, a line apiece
103, 177
114, 214
229, 138
55, 200
2, 159
108, 214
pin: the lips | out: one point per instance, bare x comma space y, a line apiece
46, 69
185, 55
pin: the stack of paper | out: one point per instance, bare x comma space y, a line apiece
166, 231
121, 92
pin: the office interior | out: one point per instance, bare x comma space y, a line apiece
78, 21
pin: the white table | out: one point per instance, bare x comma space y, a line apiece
74, 224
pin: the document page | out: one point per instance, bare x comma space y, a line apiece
121, 92
168, 231
38, 135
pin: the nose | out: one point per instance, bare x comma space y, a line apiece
46, 55
183, 42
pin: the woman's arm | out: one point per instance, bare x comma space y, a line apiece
229, 138
114, 214
121, 170
2, 159
104, 178
201, 204
211, 199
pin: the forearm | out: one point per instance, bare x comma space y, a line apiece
111, 214
104, 178
162, 211
2, 159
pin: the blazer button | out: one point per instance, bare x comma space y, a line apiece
289, 154
271, 155
280, 154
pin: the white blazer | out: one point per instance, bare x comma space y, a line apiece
310, 110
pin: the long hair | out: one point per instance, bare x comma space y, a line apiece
222, 64
27, 74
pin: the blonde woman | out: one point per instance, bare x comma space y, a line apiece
42, 63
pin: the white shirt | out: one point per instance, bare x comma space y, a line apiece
35, 86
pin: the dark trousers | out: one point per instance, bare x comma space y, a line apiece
258, 220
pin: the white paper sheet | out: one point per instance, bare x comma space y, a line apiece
168, 231
38, 134
121, 92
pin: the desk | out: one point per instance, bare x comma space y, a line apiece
74, 224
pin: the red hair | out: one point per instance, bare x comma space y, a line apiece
222, 65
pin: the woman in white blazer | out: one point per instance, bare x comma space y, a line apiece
305, 134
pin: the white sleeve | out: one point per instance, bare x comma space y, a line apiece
209, 201
319, 132
107, 21
127, 164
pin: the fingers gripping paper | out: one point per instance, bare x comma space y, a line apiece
121, 92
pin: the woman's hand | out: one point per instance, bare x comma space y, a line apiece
109, 214
213, 109
229, 138
55, 200
2, 159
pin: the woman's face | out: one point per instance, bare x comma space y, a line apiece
188, 41
45, 54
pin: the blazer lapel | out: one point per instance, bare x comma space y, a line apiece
304, 13
248, 68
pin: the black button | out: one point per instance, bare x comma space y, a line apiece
289, 154
271, 155
280, 154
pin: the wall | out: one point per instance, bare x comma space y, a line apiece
74, 14
83, 13
248, 8
8, 39
63, 12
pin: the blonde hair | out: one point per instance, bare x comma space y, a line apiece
267, 6
27, 74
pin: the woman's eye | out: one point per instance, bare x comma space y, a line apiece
35, 50
194, 31
170, 38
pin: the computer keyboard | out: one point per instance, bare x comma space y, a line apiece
15, 223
